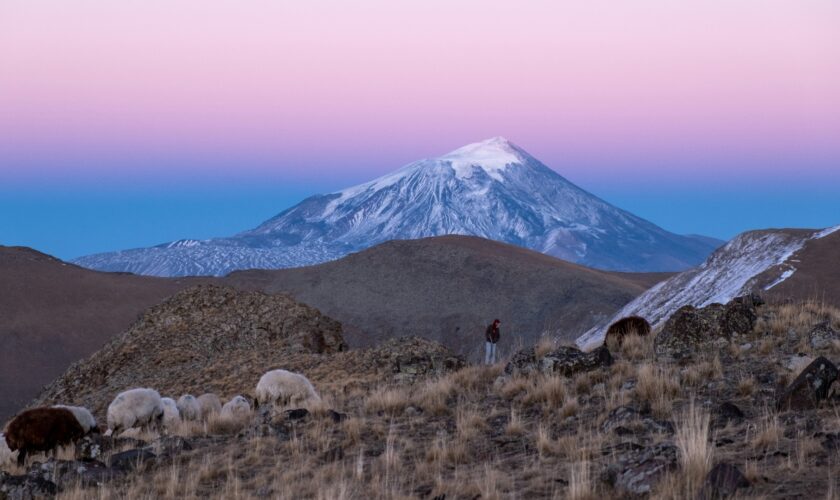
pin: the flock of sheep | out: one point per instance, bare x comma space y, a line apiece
44, 429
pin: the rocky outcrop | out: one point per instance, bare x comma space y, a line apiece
25, 488
823, 336
691, 329
197, 340
410, 358
723, 481
637, 471
564, 360
810, 387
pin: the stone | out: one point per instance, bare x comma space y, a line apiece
337, 417
296, 414
414, 357
638, 471
172, 445
626, 420
723, 481
25, 488
691, 329
725, 413
810, 387
70, 472
798, 362
131, 459
822, 335
564, 360
93, 446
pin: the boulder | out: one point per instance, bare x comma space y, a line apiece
412, 358
725, 413
691, 329
723, 481
822, 335
637, 471
626, 420
71, 472
296, 414
129, 460
564, 360
25, 487
810, 387
93, 446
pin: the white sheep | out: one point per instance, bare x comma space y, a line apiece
284, 387
134, 408
171, 415
189, 407
209, 404
236, 408
83, 416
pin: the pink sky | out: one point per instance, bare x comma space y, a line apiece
593, 88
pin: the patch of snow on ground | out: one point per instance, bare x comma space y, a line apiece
785, 275
826, 232
720, 279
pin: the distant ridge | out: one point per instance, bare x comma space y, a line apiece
492, 189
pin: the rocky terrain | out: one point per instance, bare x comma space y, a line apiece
781, 264
54, 313
732, 399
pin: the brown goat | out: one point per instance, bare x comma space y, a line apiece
41, 429
626, 326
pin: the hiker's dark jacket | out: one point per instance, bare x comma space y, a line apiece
492, 334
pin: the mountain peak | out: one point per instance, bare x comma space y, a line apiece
493, 155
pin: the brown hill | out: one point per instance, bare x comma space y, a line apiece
444, 288
203, 339
449, 288
53, 313
816, 276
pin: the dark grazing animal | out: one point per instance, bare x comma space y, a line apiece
626, 326
41, 429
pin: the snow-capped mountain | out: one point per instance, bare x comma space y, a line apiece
755, 261
492, 189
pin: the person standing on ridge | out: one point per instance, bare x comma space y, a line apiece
491, 336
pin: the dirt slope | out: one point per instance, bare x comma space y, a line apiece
448, 288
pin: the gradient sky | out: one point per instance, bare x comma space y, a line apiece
130, 123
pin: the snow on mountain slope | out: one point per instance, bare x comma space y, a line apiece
491, 189
754, 261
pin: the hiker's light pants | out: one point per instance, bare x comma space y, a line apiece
489, 353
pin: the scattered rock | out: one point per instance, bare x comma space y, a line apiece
412, 411
70, 472
131, 459
723, 481
93, 446
725, 413
691, 329
798, 362
415, 357
822, 335
636, 472
337, 417
296, 414
626, 420
25, 487
810, 387
564, 360
172, 445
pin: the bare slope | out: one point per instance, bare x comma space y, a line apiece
448, 288
785, 264
53, 313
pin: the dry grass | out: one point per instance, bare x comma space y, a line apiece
550, 390
390, 400
580, 481
746, 385
799, 317
767, 433
696, 450
635, 347
514, 425
657, 386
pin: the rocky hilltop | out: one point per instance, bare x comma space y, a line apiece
735, 399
